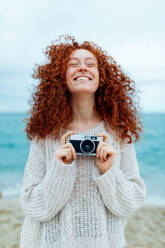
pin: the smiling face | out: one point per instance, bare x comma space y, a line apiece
82, 75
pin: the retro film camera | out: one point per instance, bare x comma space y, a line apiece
85, 145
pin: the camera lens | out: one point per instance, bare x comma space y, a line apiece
87, 146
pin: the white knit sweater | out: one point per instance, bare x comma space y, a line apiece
75, 206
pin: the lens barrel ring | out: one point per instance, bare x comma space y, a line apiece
91, 142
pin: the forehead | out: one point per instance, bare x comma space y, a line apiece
82, 54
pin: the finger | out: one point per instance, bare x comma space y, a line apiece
65, 136
110, 155
101, 154
68, 157
73, 150
66, 154
105, 137
111, 152
101, 144
62, 155
68, 161
70, 146
69, 151
105, 155
98, 150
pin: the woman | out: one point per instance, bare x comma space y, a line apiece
72, 200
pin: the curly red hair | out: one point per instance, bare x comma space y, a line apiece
51, 109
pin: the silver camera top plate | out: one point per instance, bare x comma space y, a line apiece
84, 137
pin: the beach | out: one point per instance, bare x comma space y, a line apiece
145, 228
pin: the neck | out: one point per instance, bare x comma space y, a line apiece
82, 107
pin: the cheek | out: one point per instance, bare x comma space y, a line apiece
96, 73
97, 76
70, 72
68, 75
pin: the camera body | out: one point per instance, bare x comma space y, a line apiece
85, 145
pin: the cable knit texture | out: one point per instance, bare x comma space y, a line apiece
75, 206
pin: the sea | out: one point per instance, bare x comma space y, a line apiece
150, 151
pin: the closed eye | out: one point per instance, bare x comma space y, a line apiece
73, 64
91, 64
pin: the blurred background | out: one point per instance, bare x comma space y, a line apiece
132, 32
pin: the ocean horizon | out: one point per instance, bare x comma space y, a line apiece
150, 151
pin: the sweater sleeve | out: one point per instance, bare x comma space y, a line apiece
121, 187
45, 191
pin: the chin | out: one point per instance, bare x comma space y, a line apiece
79, 91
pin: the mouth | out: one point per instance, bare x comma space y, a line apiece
79, 78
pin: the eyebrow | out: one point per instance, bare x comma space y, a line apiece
85, 58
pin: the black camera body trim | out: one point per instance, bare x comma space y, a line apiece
85, 144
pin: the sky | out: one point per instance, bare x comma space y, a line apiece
132, 32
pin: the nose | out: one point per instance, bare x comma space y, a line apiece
82, 69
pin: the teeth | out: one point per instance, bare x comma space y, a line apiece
82, 78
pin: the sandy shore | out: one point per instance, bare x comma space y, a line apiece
145, 229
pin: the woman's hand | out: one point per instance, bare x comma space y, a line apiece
105, 155
66, 152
